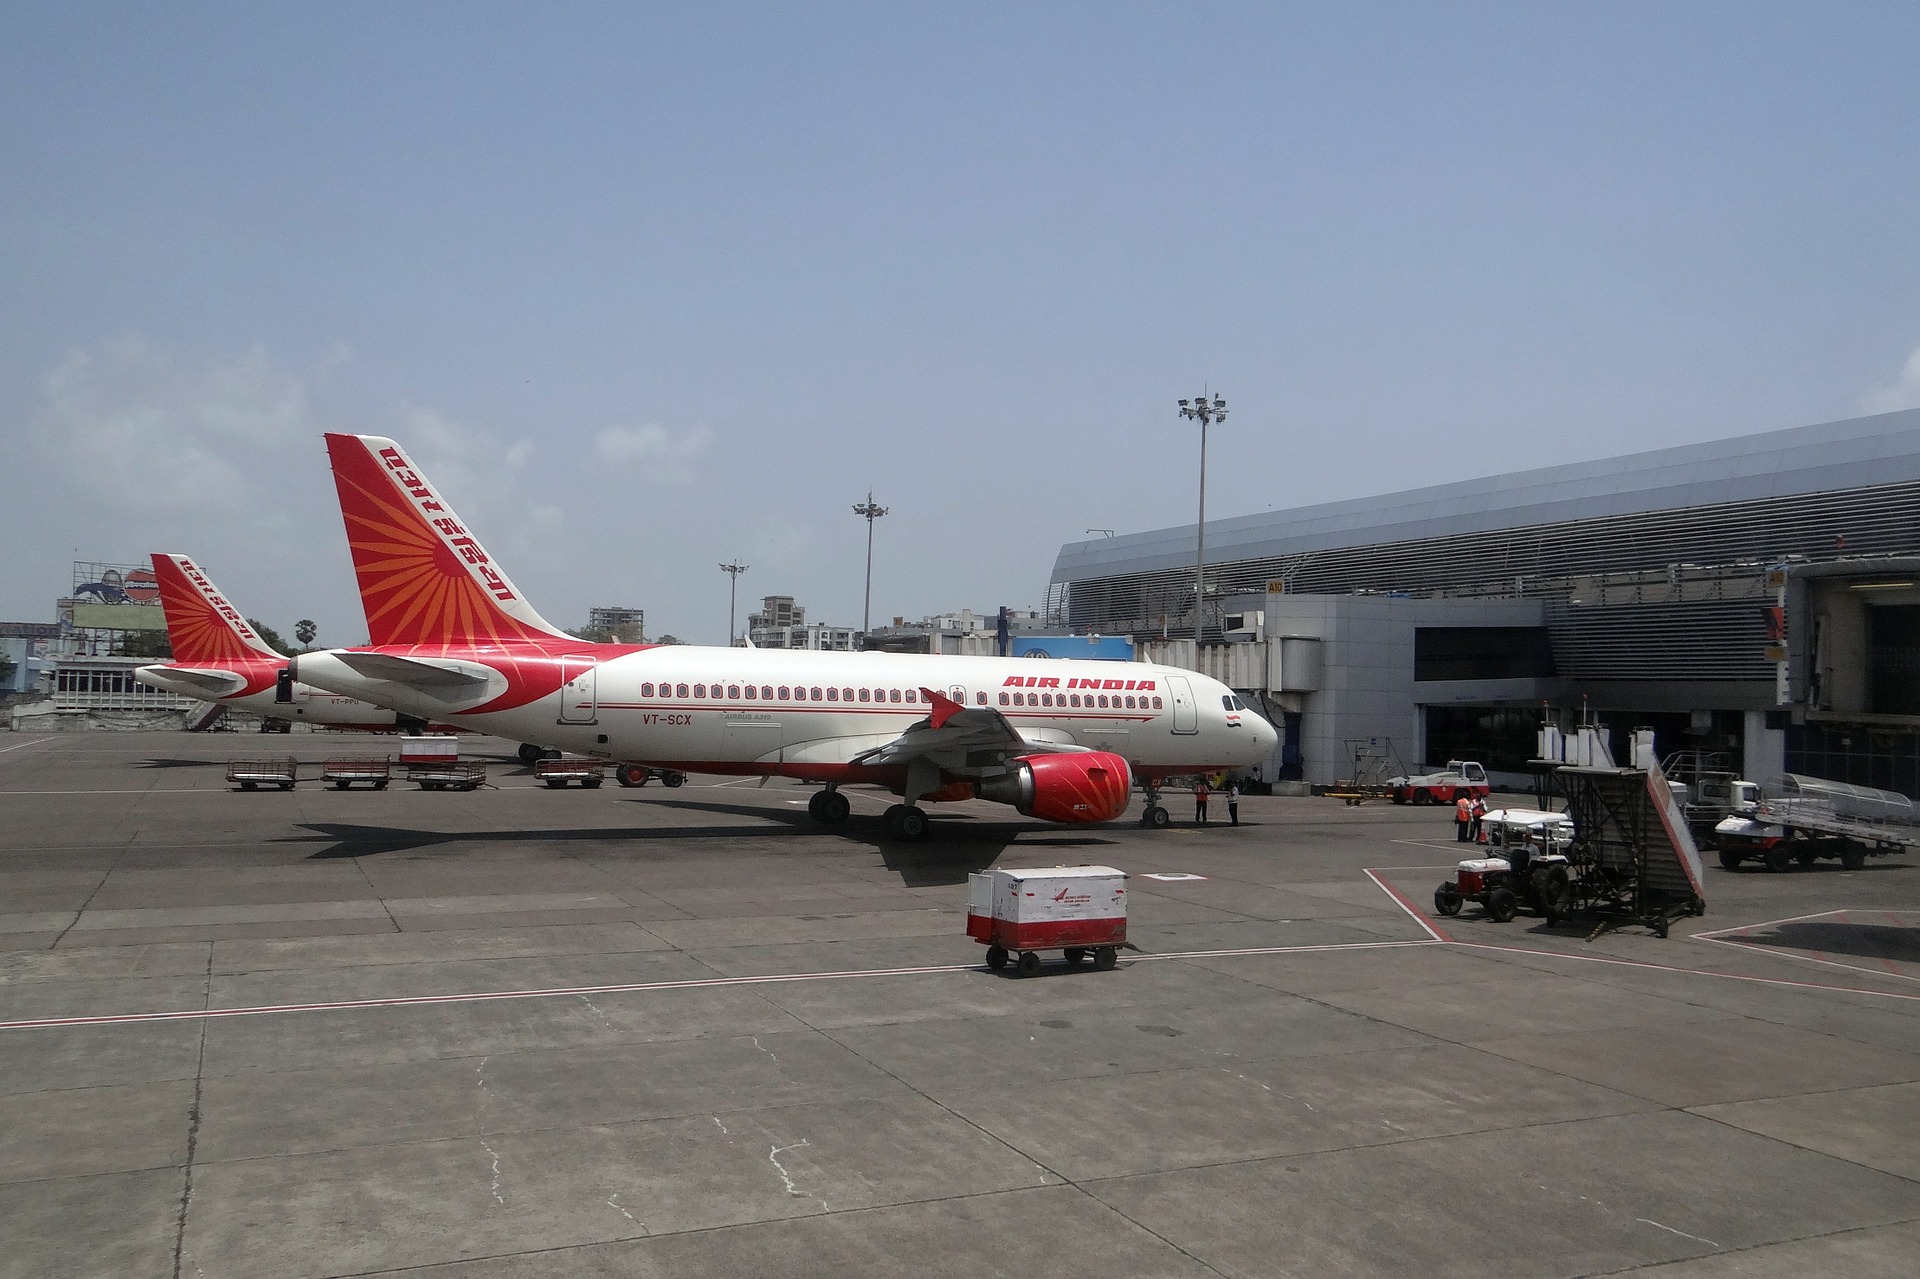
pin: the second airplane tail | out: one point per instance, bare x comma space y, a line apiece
424, 579
202, 627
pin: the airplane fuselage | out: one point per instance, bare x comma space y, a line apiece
255, 689
806, 714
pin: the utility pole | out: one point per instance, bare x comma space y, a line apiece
870, 512
733, 570
1202, 412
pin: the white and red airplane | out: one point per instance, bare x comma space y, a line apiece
454, 641
217, 657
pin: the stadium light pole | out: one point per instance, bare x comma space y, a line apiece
871, 513
733, 569
1201, 411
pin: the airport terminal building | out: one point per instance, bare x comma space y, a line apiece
1756, 597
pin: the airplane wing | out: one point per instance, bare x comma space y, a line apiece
409, 671
957, 736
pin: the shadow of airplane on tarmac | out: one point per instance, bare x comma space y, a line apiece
956, 846
180, 763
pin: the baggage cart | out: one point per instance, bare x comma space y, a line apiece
252, 774
556, 773
447, 776
1078, 910
345, 772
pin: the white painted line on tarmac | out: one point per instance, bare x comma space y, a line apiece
1690, 972
1718, 937
697, 983
23, 745
1417, 916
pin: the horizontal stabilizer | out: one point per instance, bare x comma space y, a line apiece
409, 671
193, 681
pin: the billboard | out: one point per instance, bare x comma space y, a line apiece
1106, 648
119, 617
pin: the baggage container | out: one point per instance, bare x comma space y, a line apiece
436, 748
1080, 910
557, 772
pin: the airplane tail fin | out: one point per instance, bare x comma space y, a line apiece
202, 627
424, 579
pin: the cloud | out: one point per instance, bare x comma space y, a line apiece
147, 430
664, 456
1902, 393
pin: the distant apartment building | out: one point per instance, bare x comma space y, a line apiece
776, 611
811, 635
962, 632
626, 625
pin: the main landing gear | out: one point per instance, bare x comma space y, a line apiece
828, 807
906, 821
1154, 816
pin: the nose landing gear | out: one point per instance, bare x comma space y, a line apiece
1154, 816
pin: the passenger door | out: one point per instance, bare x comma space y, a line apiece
579, 690
1186, 717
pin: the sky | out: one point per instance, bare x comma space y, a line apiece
646, 288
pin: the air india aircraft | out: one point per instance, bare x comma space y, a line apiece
455, 641
217, 657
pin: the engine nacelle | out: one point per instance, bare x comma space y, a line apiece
1093, 786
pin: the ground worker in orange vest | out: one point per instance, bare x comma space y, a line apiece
1462, 817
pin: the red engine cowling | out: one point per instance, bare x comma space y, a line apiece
1089, 787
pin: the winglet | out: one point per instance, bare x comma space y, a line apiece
944, 707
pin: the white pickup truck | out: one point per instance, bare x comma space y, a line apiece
1459, 777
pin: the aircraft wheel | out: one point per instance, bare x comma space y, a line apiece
1029, 964
1158, 818
671, 779
1729, 860
996, 957
1502, 905
1447, 899
817, 806
529, 752
1105, 957
913, 823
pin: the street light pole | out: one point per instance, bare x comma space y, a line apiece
733, 570
1201, 411
871, 513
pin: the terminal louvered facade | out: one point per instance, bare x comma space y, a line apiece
1650, 572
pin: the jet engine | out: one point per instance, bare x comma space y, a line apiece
1088, 787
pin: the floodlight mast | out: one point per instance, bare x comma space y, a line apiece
733, 569
1201, 411
870, 512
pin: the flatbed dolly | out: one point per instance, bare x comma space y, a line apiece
252, 774
343, 773
447, 775
556, 773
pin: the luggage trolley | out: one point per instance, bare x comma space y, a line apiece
1078, 910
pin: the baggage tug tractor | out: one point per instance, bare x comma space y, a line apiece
1523, 875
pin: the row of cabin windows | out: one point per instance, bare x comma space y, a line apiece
784, 693
1099, 702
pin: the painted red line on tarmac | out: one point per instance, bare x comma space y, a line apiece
1417, 916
